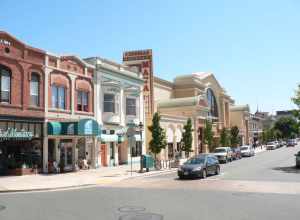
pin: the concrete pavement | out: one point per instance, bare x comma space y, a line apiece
83, 178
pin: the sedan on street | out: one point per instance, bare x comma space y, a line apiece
224, 154
247, 151
271, 145
201, 166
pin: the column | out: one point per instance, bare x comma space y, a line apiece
116, 153
122, 107
94, 152
45, 154
74, 153
57, 150
195, 136
72, 94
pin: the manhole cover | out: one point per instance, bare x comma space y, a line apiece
131, 209
2, 208
141, 216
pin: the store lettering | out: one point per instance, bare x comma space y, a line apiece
13, 133
5, 42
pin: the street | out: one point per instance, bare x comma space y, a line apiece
262, 187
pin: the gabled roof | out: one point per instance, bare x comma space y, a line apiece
72, 57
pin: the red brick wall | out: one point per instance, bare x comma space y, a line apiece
22, 61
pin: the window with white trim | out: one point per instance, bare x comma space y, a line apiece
5, 81
82, 101
58, 97
34, 89
109, 103
131, 106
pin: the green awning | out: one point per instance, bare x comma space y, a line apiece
84, 127
88, 127
54, 128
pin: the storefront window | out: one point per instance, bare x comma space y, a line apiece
5, 81
3, 125
130, 106
34, 89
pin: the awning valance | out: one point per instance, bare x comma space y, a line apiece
109, 138
84, 127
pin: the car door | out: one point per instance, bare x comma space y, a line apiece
210, 165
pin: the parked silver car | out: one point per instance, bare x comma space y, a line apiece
247, 151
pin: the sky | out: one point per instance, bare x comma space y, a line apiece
252, 47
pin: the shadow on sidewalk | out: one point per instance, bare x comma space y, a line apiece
290, 169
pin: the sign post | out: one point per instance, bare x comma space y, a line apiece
130, 134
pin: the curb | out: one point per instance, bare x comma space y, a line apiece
84, 185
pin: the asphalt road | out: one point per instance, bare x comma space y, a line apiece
166, 197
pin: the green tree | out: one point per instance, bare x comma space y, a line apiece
158, 141
286, 127
225, 138
208, 135
234, 132
187, 137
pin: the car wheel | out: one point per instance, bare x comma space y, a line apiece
204, 174
180, 177
217, 170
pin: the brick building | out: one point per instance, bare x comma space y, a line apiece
22, 106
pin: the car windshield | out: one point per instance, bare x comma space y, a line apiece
244, 148
271, 143
220, 150
195, 160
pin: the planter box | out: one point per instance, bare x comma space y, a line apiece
22, 171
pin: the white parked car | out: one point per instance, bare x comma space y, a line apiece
224, 154
271, 145
247, 151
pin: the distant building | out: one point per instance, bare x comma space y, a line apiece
267, 119
240, 117
287, 113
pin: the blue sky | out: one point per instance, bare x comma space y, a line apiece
252, 46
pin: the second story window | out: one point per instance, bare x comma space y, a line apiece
82, 101
109, 103
34, 90
5, 81
131, 106
58, 97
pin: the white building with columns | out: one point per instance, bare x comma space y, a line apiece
119, 103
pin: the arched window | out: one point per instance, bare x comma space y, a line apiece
212, 103
5, 84
34, 89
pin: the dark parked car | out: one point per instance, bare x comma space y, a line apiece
201, 166
236, 153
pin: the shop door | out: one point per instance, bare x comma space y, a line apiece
170, 151
3, 160
66, 155
103, 155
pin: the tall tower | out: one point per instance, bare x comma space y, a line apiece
142, 61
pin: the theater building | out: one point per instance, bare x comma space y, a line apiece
198, 96
119, 94
22, 105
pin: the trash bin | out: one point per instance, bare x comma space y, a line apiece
147, 162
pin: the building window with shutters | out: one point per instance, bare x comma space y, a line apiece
34, 89
5, 84
131, 106
58, 97
109, 103
82, 101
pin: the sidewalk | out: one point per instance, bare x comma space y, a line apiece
260, 149
92, 177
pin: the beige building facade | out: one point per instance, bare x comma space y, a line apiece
240, 117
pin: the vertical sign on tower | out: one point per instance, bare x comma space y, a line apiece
142, 61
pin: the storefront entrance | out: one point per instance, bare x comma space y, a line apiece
20, 147
66, 155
